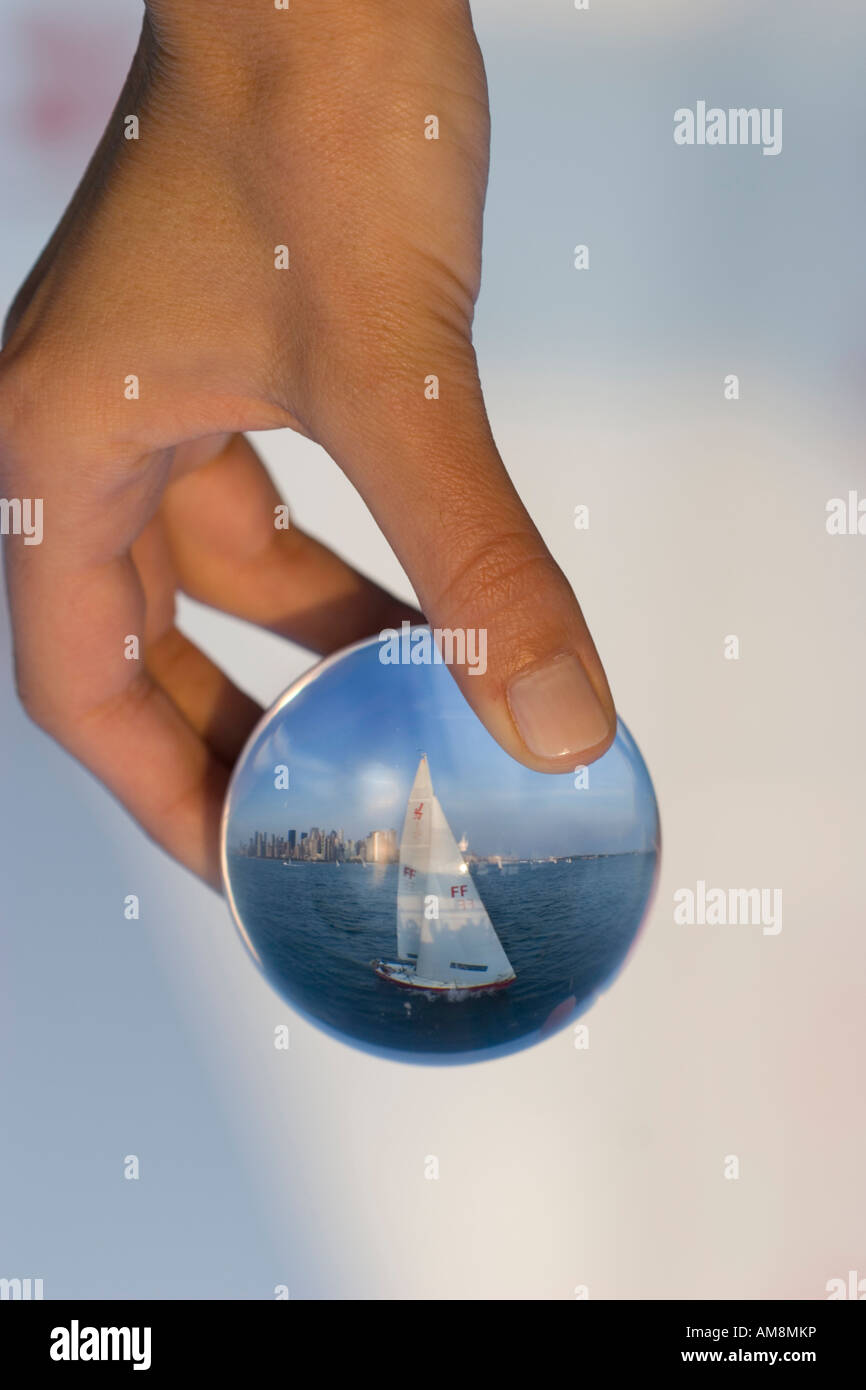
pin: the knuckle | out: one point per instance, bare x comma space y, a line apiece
10, 409
500, 575
21, 394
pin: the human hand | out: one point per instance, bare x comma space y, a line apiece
158, 326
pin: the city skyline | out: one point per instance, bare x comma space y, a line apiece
378, 846
318, 846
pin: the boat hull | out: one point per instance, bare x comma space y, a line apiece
407, 979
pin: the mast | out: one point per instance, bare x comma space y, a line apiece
414, 856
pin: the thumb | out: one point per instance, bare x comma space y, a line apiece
429, 470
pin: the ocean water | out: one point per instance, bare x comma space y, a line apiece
566, 928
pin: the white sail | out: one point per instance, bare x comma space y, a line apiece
458, 948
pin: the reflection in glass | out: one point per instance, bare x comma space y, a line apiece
407, 885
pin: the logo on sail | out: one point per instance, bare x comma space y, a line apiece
458, 949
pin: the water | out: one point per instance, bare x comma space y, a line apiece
566, 928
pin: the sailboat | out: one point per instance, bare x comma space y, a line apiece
459, 948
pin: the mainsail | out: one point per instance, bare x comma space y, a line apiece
457, 948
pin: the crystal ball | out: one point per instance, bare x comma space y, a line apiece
407, 886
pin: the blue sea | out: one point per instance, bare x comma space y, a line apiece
566, 928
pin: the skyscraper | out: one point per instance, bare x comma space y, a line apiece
381, 847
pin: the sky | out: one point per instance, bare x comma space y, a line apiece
352, 739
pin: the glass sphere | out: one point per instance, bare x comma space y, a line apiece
408, 886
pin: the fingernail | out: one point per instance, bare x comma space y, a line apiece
556, 709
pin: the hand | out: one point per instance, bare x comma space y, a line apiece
158, 326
